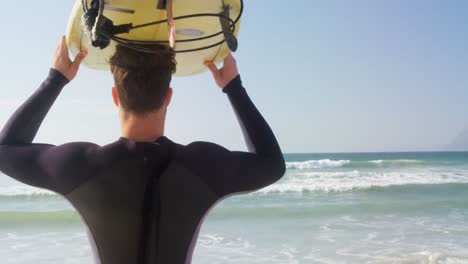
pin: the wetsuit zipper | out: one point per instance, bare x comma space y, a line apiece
146, 208
149, 216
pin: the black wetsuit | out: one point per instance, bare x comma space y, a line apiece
142, 202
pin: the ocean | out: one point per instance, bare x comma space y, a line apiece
329, 208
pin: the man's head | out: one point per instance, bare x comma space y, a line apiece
142, 80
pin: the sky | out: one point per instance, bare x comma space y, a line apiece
329, 76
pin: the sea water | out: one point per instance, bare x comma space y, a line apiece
329, 208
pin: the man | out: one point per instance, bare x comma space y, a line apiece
143, 198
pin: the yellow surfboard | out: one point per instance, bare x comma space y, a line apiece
139, 12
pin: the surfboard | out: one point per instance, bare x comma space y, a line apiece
191, 33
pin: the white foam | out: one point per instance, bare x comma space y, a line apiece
429, 257
317, 164
23, 190
217, 248
397, 161
352, 180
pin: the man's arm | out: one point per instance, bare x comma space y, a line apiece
233, 172
22, 127
40, 164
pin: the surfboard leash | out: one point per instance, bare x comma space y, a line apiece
102, 30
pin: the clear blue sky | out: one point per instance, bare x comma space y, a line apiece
329, 76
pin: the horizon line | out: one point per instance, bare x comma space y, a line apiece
378, 152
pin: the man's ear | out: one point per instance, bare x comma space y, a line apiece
168, 99
115, 96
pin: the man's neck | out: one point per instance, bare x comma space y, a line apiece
146, 128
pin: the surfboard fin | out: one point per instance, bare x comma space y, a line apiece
229, 36
162, 4
99, 27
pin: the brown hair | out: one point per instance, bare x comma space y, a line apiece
142, 79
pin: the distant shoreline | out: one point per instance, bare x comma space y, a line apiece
376, 152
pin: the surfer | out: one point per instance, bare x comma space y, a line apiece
143, 197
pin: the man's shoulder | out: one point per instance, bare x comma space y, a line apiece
75, 147
201, 155
201, 147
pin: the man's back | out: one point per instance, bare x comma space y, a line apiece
141, 203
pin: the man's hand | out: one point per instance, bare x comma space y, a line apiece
226, 74
62, 62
